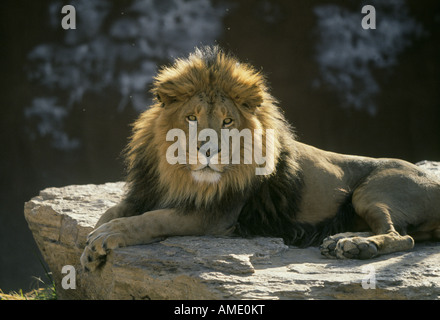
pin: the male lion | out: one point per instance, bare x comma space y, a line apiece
308, 198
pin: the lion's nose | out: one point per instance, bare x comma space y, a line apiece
208, 151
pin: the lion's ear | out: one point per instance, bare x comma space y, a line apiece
249, 98
165, 99
166, 94
252, 104
170, 91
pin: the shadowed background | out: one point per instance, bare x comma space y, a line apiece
69, 96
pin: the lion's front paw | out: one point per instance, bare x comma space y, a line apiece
349, 246
99, 243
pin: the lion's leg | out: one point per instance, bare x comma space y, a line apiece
142, 229
118, 211
368, 247
378, 216
364, 245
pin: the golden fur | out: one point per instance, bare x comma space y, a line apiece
310, 196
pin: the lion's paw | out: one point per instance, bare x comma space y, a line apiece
349, 246
356, 248
328, 246
99, 243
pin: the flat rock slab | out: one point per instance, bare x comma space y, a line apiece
214, 267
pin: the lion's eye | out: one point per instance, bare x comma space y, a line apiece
227, 122
191, 118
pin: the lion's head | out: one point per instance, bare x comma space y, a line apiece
183, 146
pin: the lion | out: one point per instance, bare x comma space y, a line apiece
352, 206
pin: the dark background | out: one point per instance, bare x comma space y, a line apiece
69, 96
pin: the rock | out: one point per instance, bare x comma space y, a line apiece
214, 267
430, 166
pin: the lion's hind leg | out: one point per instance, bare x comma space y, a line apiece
382, 239
385, 212
389, 201
385, 238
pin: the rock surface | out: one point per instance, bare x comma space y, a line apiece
214, 267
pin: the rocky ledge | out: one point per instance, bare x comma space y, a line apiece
214, 267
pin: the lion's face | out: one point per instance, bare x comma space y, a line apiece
208, 121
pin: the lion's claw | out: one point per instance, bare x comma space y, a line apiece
99, 243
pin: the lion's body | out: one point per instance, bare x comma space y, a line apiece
306, 197
335, 193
